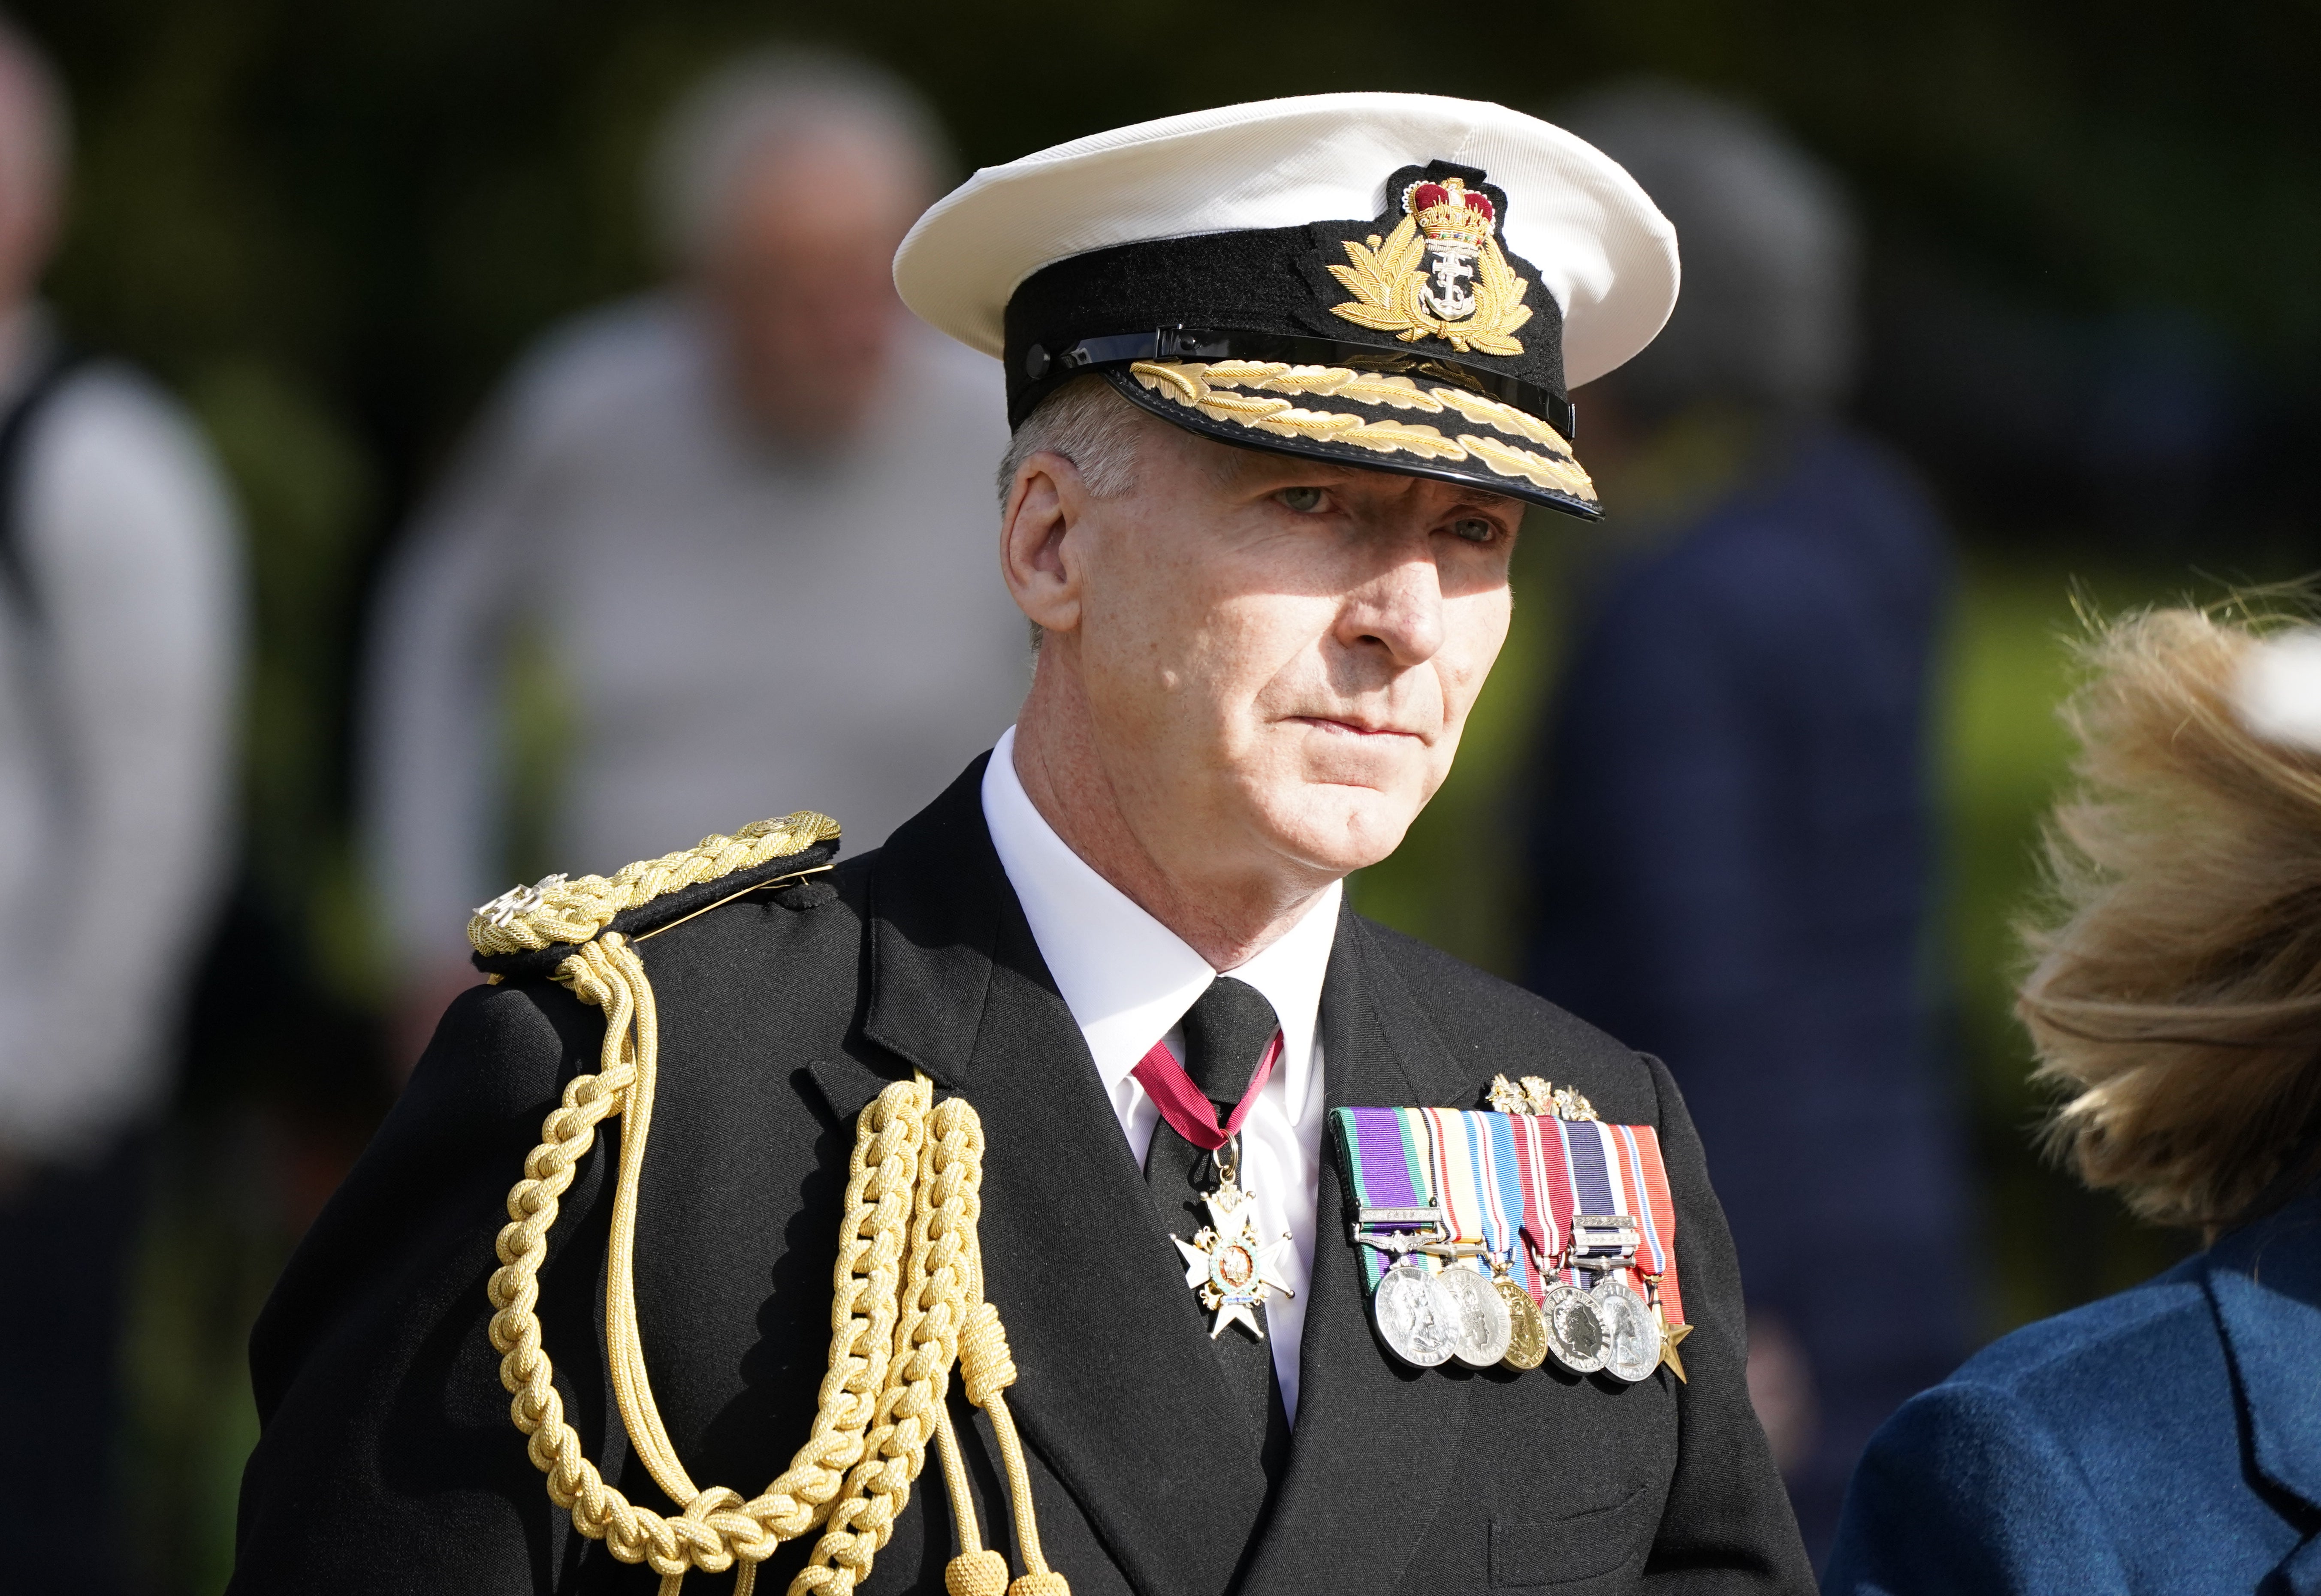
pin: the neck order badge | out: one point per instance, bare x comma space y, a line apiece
1513, 1237
1226, 1261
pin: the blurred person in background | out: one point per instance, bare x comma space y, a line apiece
119, 625
2168, 1437
744, 517
1730, 863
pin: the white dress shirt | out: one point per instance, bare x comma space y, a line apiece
1128, 980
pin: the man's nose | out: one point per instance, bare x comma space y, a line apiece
1400, 608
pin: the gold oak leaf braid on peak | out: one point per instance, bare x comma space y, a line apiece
1203, 386
907, 1291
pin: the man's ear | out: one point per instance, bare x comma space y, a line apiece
1039, 555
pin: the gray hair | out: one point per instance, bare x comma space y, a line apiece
1770, 249
734, 117
1089, 423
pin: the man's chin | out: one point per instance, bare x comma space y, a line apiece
1338, 829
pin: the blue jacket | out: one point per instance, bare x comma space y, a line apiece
2168, 1439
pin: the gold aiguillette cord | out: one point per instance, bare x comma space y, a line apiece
908, 1290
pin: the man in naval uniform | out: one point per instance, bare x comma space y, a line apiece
1284, 379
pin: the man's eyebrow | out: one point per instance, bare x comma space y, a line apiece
1262, 465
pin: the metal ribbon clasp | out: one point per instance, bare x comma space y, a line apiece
1399, 1232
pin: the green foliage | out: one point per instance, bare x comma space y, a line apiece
2048, 1243
305, 486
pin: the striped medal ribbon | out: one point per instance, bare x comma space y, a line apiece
1469, 1193
1389, 1163
1638, 1150
1484, 1179
1606, 1235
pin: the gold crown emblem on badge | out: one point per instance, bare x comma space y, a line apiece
1447, 214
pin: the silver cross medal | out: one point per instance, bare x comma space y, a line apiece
1226, 1261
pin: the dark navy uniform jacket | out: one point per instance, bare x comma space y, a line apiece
2165, 1439
387, 1463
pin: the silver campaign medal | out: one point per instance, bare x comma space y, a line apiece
1416, 1317
1482, 1326
1576, 1335
1632, 1349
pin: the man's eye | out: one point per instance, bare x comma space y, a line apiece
1475, 529
1304, 500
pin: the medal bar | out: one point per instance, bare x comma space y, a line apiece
1510, 1237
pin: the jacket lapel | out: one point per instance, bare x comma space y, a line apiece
2266, 1285
1120, 1392
1369, 1455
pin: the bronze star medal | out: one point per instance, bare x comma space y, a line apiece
1226, 1263
1671, 1337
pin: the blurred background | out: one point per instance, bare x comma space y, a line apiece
2054, 270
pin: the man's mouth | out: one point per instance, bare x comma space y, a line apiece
1349, 727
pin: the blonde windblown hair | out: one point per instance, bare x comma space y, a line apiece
2176, 997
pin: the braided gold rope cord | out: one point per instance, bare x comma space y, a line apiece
931, 1306
1202, 386
974, 1572
986, 1369
906, 1283
557, 910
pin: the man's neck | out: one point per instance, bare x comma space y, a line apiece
1227, 916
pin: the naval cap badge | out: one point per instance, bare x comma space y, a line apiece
1438, 274
1457, 225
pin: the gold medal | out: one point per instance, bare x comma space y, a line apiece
1527, 1341
1671, 1336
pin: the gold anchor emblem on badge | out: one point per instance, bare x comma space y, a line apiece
1439, 274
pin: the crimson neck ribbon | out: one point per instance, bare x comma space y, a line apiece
1181, 1103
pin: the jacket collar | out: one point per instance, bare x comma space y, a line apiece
2265, 1283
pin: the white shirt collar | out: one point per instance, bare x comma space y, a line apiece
1127, 978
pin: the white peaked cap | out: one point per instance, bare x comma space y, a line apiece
1600, 247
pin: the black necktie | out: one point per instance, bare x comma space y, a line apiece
1226, 1034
